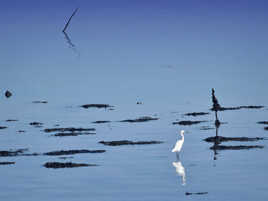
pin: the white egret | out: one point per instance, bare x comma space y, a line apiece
180, 171
179, 143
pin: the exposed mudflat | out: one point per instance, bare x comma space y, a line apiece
72, 152
238, 147
127, 142
140, 119
226, 139
70, 129
56, 165
86, 106
196, 114
188, 123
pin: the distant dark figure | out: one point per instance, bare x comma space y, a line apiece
8, 94
216, 105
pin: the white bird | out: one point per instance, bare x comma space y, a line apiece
179, 143
180, 171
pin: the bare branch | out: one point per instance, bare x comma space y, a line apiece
67, 24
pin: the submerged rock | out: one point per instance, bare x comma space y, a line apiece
3, 127
35, 123
8, 94
12, 152
66, 165
220, 139
262, 122
10, 120
72, 152
44, 102
205, 128
141, 119
239, 107
188, 123
100, 122
70, 129
7, 163
196, 114
199, 193
127, 142
86, 106
239, 147
72, 134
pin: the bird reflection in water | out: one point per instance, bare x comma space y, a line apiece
180, 170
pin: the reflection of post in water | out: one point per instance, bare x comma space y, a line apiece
216, 142
216, 107
71, 45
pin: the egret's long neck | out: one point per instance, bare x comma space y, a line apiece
182, 137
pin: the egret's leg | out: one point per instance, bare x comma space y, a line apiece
178, 155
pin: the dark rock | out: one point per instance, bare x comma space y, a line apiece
8, 94
141, 119
21, 131
44, 102
66, 165
220, 139
10, 120
72, 134
7, 163
239, 147
265, 128
36, 123
262, 122
238, 108
72, 152
139, 103
199, 193
206, 128
100, 122
86, 106
12, 153
188, 123
3, 127
127, 142
196, 113
71, 129
64, 157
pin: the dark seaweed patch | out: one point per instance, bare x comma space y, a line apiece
35, 123
10, 120
8, 94
7, 163
205, 128
239, 107
199, 193
12, 152
100, 122
43, 102
239, 147
188, 123
72, 134
86, 106
70, 129
140, 119
127, 142
196, 114
219, 139
262, 122
72, 152
56, 165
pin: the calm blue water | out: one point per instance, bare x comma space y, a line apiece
166, 55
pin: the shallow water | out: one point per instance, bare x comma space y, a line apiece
158, 54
